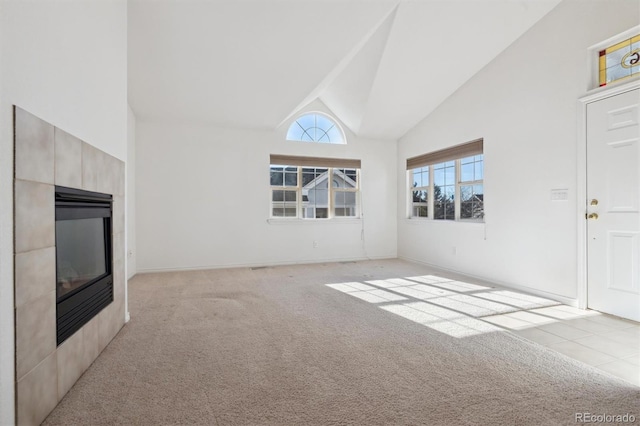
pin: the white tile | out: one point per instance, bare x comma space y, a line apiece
539, 336
565, 331
633, 359
532, 318
623, 369
626, 336
562, 312
508, 322
607, 346
590, 326
613, 322
576, 311
581, 353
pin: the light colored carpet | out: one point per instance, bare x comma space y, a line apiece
278, 346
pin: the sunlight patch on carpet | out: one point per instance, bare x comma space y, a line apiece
455, 308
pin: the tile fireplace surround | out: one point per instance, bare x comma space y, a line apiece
46, 156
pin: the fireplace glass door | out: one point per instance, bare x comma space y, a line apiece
84, 281
80, 251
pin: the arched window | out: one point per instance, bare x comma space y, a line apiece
315, 127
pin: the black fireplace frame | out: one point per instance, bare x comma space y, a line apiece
79, 306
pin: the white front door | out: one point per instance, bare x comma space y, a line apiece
613, 205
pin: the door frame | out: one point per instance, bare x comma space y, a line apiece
581, 187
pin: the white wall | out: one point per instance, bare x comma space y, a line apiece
131, 194
203, 200
65, 62
524, 105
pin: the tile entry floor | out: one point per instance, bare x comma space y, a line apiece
461, 308
606, 342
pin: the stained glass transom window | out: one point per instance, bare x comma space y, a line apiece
315, 127
622, 60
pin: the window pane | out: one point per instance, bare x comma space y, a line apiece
472, 203
282, 195
345, 203
466, 192
291, 178
283, 209
315, 192
617, 61
417, 178
444, 207
345, 178
466, 172
479, 170
277, 175
420, 196
450, 175
315, 128
615, 58
322, 213
438, 175
334, 135
617, 72
420, 177
420, 211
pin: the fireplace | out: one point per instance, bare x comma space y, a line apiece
84, 280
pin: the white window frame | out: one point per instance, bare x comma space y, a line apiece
431, 191
331, 190
335, 123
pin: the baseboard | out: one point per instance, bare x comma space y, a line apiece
534, 292
264, 264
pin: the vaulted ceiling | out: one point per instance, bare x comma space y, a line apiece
380, 66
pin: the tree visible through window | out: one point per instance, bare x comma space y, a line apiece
315, 127
448, 184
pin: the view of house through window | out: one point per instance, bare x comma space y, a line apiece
448, 184
314, 192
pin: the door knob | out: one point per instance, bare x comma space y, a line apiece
594, 202
593, 216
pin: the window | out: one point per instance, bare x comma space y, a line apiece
420, 192
314, 188
448, 184
619, 61
315, 127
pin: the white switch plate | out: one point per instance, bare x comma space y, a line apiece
559, 194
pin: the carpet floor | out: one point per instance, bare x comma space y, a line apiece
282, 346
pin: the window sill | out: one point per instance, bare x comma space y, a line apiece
418, 221
333, 221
